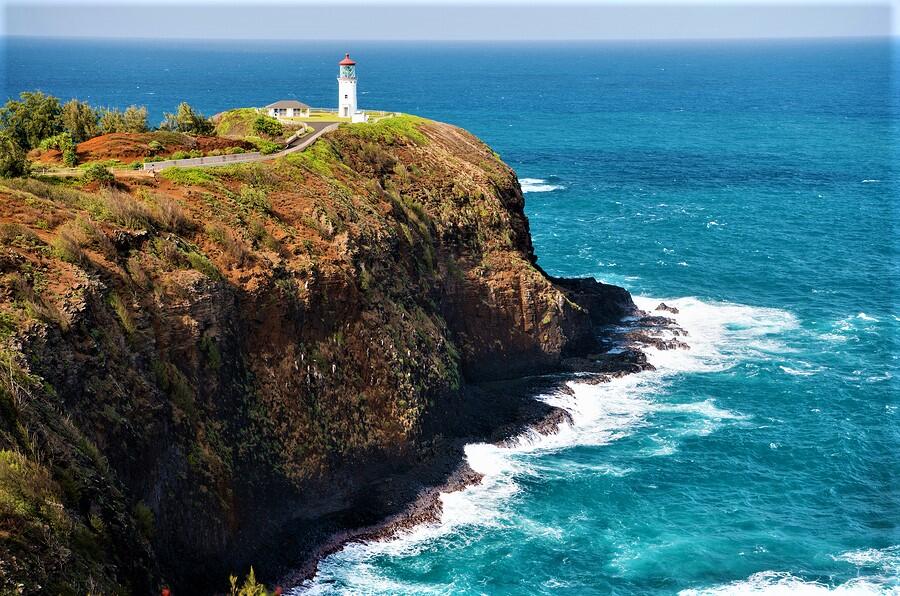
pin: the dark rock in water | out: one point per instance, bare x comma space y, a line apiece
666, 307
642, 337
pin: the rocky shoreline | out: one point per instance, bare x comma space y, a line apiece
622, 355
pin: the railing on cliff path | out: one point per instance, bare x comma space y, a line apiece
219, 160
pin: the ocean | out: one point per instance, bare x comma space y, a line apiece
753, 185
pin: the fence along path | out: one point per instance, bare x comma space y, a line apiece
319, 128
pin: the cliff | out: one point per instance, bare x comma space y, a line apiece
226, 366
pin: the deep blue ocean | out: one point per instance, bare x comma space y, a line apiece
754, 185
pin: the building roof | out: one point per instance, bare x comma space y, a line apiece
347, 61
288, 103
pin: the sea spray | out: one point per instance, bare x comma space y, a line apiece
720, 336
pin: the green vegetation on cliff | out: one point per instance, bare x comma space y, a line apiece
186, 357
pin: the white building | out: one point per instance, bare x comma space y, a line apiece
347, 90
288, 108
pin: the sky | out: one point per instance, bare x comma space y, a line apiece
441, 20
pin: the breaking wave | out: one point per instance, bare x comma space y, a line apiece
721, 335
539, 185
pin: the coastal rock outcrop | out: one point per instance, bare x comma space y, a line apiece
232, 366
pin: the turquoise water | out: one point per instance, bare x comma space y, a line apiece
754, 186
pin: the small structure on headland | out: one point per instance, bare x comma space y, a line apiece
288, 108
347, 90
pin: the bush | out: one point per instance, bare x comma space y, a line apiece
64, 143
232, 245
13, 158
180, 155
127, 211
236, 150
170, 216
99, 173
203, 265
74, 235
180, 175
263, 146
155, 146
254, 198
268, 126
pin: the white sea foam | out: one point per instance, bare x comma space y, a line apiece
720, 335
887, 560
878, 573
784, 584
538, 185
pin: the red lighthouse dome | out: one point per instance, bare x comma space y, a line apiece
347, 61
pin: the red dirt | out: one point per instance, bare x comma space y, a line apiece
129, 147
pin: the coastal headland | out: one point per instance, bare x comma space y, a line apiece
256, 362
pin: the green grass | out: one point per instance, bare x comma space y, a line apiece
318, 157
319, 117
263, 146
237, 123
194, 176
389, 130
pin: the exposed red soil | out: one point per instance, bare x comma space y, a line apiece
130, 147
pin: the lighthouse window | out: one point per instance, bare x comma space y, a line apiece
345, 96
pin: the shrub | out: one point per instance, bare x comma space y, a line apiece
267, 125
180, 155
155, 146
73, 236
232, 245
144, 519
254, 198
127, 211
203, 265
17, 234
236, 150
263, 146
13, 159
170, 216
196, 176
99, 173
122, 312
64, 143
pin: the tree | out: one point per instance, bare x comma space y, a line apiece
135, 119
188, 120
65, 144
112, 120
13, 160
79, 120
32, 118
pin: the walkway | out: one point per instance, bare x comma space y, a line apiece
319, 128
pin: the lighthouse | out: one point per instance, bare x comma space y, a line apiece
347, 87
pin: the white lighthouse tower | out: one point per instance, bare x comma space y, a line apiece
347, 87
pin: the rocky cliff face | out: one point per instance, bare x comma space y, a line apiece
222, 367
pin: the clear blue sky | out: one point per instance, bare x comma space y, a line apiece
433, 20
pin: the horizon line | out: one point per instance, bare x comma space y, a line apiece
889, 36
